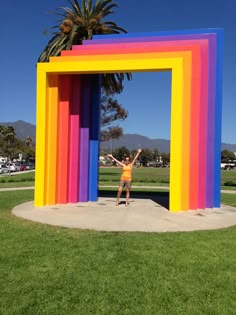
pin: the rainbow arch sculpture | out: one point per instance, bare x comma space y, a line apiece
68, 114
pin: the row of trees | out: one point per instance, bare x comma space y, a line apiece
227, 156
11, 146
153, 155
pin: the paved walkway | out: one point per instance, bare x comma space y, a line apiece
144, 214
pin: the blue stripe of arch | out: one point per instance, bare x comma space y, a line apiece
218, 88
94, 137
161, 33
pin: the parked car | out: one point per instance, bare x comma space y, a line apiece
3, 169
17, 166
105, 161
29, 166
13, 167
22, 167
227, 166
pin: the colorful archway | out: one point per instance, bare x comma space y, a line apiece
67, 134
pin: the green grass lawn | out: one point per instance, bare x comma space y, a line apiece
152, 174
228, 199
109, 176
53, 270
149, 176
24, 179
141, 176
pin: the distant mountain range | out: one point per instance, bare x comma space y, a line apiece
23, 129
135, 141
130, 141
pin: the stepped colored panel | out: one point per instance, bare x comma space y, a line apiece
84, 139
51, 149
94, 137
195, 59
41, 134
74, 139
63, 138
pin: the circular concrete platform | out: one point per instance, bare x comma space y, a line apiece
142, 215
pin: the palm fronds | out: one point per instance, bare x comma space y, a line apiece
80, 22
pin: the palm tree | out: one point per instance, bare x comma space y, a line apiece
81, 22
7, 139
2, 129
9, 135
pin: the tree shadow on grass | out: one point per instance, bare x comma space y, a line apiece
160, 197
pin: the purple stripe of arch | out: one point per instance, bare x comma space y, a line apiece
84, 140
131, 38
160, 33
218, 116
74, 141
94, 136
210, 126
89, 44
202, 158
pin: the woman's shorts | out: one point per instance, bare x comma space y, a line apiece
125, 183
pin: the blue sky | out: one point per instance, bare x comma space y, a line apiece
147, 96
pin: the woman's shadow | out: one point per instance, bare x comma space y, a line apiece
160, 197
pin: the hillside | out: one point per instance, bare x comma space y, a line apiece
23, 129
135, 141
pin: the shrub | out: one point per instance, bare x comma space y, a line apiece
230, 183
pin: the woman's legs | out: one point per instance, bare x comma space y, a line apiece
118, 195
127, 196
122, 184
